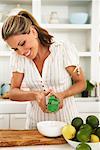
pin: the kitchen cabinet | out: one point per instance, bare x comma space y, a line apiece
12, 121
84, 36
88, 106
4, 121
13, 114
17, 121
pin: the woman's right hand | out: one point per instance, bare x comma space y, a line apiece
41, 99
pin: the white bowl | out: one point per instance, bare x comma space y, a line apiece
94, 146
50, 128
78, 18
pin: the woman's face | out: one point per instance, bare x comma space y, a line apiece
25, 44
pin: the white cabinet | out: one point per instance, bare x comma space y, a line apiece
88, 107
85, 115
4, 121
17, 121
15, 116
12, 121
12, 114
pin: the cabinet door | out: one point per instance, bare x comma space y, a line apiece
17, 121
88, 108
85, 115
4, 121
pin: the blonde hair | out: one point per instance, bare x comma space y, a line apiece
20, 24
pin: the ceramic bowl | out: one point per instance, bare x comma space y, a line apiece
94, 146
50, 128
78, 18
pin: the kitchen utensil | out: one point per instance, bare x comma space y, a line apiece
78, 18
53, 17
9, 138
5, 88
50, 128
53, 104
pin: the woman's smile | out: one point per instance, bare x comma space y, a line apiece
28, 53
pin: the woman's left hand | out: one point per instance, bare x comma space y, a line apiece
58, 96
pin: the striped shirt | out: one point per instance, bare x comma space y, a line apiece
54, 76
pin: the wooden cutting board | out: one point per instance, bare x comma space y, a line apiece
26, 137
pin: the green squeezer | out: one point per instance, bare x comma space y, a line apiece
53, 104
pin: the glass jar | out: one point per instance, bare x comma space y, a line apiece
53, 17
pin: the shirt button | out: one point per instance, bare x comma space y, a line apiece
42, 85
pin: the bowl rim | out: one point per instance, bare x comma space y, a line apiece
77, 142
49, 122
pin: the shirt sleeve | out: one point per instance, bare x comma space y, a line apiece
70, 54
17, 63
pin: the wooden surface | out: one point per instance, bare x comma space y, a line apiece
26, 137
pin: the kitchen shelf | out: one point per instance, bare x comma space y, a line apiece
67, 26
83, 99
16, 1
66, 2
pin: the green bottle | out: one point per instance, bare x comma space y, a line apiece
53, 104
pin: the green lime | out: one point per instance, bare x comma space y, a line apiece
94, 130
83, 135
93, 121
77, 122
97, 132
86, 127
83, 146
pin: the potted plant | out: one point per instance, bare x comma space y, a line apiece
89, 88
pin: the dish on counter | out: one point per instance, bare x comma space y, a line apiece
50, 128
94, 146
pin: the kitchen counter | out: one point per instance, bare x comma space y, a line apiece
8, 106
40, 147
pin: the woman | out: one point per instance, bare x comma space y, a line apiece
47, 68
